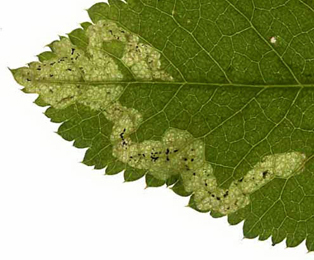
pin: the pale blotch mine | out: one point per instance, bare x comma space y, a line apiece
144, 61
180, 153
163, 158
61, 81
278, 165
70, 78
225, 201
140, 58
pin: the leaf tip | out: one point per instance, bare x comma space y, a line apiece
49, 45
85, 25
24, 90
13, 71
61, 37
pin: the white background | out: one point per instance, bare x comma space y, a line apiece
53, 207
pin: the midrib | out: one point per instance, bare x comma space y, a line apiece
95, 83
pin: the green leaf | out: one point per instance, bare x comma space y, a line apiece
132, 174
192, 204
114, 167
79, 38
47, 55
172, 180
115, 48
216, 214
85, 25
179, 189
151, 181
213, 98
40, 102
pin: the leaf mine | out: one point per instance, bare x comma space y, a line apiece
216, 104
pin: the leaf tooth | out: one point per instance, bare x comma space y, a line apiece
50, 45
13, 71
98, 11
85, 25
